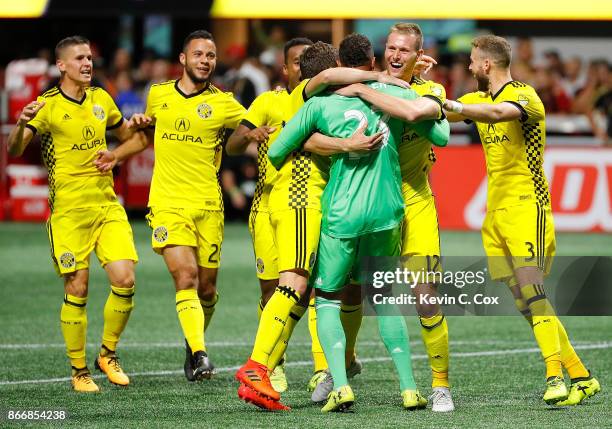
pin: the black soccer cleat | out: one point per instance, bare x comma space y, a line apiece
188, 367
202, 366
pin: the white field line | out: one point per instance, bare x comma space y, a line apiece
172, 344
592, 346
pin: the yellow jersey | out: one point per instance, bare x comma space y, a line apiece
189, 133
300, 181
269, 108
71, 132
514, 150
416, 152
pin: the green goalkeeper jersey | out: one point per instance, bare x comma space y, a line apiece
364, 193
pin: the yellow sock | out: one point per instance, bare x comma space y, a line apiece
281, 345
191, 317
350, 316
545, 328
273, 322
570, 360
260, 307
73, 318
434, 331
318, 357
208, 307
117, 311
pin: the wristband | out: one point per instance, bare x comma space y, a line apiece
454, 106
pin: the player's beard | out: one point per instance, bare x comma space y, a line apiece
195, 79
483, 83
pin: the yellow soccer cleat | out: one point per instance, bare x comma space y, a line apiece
82, 381
580, 390
316, 378
278, 379
556, 391
413, 400
339, 400
109, 365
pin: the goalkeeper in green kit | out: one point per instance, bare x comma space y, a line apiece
362, 210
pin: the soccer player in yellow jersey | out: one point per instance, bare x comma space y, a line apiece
420, 247
295, 215
71, 120
187, 119
518, 231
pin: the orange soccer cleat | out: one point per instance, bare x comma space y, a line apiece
255, 376
251, 396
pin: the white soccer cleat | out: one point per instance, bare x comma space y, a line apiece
441, 400
323, 389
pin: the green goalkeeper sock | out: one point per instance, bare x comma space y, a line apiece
331, 336
393, 331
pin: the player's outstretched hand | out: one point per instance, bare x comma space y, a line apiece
423, 65
139, 120
105, 161
29, 112
384, 77
360, 142
260, 134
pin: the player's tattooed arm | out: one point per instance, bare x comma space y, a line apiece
21, 135
483, 112
419, 109
345, 76
243, 136
359, 142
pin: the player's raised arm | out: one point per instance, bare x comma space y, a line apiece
418, 109
359, 142
346, 76
22, 134
487, 113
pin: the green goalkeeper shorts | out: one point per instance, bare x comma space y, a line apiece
340, 257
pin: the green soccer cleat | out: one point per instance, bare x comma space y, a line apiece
278, 379
580, 390
556, 391
316, 378
412, 400
339, 400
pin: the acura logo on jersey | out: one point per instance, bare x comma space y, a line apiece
182, 125
491, 129
88, 132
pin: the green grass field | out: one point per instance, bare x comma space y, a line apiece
496, 371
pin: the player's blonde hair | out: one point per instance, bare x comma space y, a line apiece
496, 48
409, 28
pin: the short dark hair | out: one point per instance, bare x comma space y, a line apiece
316, 58
69, 41
296, 41
198, 34
356, 50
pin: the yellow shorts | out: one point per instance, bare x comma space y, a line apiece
266, 253
74, 234
518, 236
197, 228
296, 234
421, 236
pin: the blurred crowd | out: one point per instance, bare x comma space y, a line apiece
565, 85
